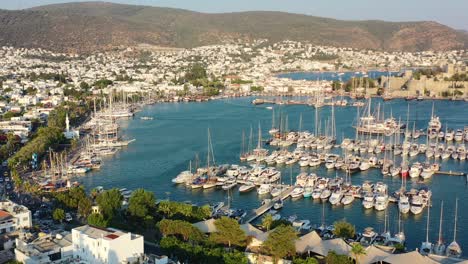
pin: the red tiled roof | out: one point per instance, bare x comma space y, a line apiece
4, 215
112, 236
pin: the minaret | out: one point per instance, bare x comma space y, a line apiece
67, 124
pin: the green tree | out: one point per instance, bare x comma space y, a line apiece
109, 202
103, 83
308, 260
184, 229
333, 258
141, 203
58, 215
235, 258
267, 221
358, 251
344, 229
97, 220
256, 89
229, 233
280, 243
84, 207
197, 71
279, 222
46, 137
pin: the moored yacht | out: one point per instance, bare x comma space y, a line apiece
403, 204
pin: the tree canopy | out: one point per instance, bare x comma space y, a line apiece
333, 258
183, 211
141, 203
98, 220
280, 242
58, 214
344, 229
229, 232
181, 228
109, 202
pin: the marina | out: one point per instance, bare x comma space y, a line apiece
153, 163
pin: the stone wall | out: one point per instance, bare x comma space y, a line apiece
415, 86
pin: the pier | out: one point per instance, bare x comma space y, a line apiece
266, 207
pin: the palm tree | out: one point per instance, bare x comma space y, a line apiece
267, 222
357, 250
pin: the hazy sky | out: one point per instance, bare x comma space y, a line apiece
453, 13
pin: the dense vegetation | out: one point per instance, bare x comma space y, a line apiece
85, 27
45, 137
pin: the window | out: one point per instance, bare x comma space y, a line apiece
25, 219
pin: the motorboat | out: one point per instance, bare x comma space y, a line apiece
264, 189
308, 192
395, 171
348, 198
364, 166
297, 192
427, 172
336, 197
246, 187
229, 185
368, 201
415, 170
417, 204
183, 177
326, 193
276, 191
381, 202
368, 237
317, 193
403, 204
278, 204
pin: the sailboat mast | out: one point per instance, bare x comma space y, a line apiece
208, 155
259, 145
440, 222
273, 119
427, 224
455, 225
300, 122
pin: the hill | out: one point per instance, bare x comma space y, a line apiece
90, 26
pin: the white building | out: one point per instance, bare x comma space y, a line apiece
13, 217
45, 249
99, 245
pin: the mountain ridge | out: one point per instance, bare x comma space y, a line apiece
84, 27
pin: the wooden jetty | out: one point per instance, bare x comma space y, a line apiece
266, 207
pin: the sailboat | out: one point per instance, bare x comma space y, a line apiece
426, 247
211, 181
453, 249
439, 248
274, 130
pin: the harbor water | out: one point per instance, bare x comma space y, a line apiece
334, 76
165, 145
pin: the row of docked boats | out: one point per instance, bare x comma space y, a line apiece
440, 248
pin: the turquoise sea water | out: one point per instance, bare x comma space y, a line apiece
164, 146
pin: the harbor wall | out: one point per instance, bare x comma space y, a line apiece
413, 87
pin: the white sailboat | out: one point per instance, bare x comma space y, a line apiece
426, 247
439, 248
453, 249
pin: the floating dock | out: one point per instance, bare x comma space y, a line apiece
266, 207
